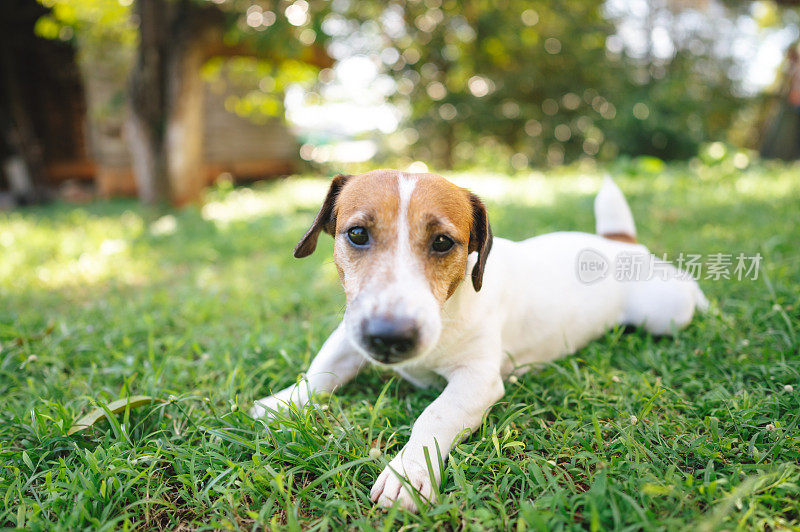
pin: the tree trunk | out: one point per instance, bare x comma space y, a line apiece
165, 126
185, 128
149, 100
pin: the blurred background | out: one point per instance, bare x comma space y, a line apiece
160, 98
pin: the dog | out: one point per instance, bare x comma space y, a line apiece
431, 294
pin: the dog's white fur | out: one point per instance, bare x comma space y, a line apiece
533, 308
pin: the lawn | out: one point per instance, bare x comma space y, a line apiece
204, 310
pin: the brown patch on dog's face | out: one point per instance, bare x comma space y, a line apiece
440, 208
369, 201
435, 208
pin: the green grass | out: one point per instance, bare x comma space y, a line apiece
207, 310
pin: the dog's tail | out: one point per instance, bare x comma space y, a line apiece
614, 220
613, 217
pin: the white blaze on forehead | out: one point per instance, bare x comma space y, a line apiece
406, 268
405, 187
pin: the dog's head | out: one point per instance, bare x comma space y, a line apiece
401, 243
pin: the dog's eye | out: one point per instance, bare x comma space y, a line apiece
442, 244
358, 236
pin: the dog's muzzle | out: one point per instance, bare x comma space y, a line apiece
390, 340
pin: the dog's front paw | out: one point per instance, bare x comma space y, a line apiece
265, 408
268, 406
399, 480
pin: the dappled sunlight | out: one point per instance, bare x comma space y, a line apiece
531, 190
166, 225
754, 185
248, 203
727, 187
112, 260
534, 188
78, 250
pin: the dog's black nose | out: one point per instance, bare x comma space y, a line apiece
390, 339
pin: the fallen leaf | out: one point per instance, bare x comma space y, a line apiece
115, 407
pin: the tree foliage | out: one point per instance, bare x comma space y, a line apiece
539, 81
278, 44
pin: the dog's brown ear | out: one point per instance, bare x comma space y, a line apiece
480, 239
325, 220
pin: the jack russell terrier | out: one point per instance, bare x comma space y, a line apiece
426, 298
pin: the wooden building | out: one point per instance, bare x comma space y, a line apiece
60, 123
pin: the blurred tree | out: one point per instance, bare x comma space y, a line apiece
679, 84
176, 37
531, 83
781, 136
539, 83
173, 39
777, 118
480, 72
166, 97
